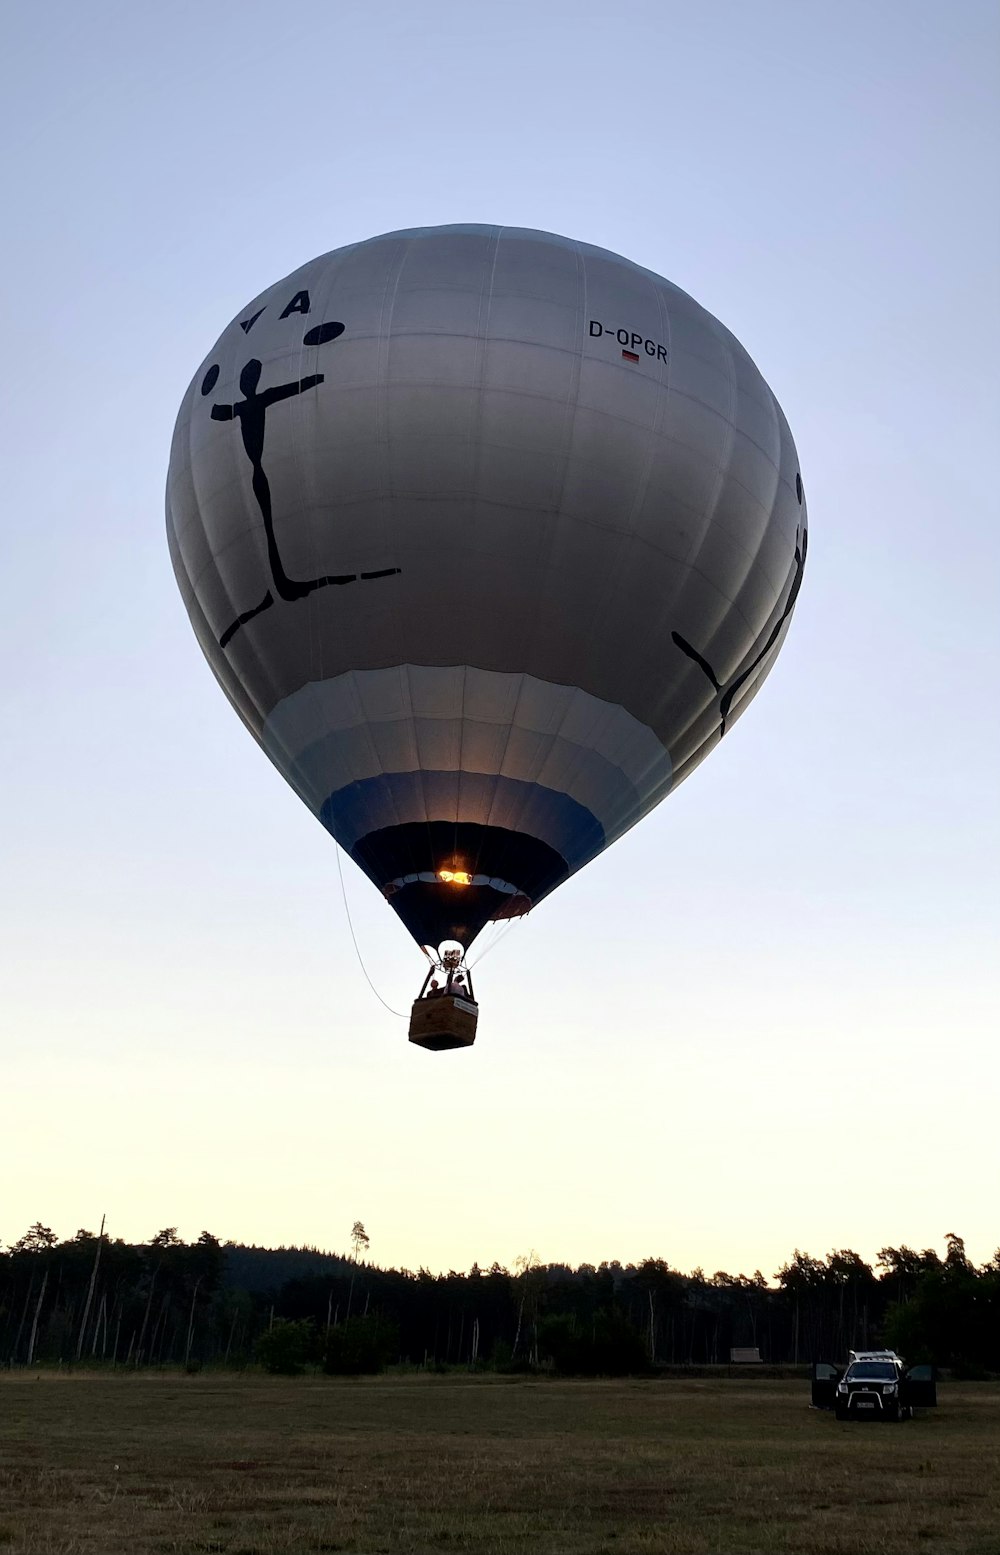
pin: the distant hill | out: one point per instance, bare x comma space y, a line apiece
268, 1268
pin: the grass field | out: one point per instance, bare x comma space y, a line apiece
134, 1464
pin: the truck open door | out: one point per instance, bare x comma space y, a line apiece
824, 1384
917, 1388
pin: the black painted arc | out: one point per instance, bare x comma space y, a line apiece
728, 693
793, 594
693, 653
433, 911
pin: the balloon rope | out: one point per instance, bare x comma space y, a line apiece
347, 908
497, 940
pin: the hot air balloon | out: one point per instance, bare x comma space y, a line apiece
489, 536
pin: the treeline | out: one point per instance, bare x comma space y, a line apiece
97, 1299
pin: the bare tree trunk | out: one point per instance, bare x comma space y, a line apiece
190, 1332
118, 1329
159, 1329
517, 1333
144, 1357
145, 1315
329, 1308
232, 1330
90, 1290
130, 1344
102, 1317
34, 1321
24, 1314
475, 1341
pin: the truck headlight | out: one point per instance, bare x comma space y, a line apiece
841, 1387
889, 1387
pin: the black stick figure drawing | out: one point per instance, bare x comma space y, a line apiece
728, 693
251, 412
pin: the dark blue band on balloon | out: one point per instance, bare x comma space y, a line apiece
397, 797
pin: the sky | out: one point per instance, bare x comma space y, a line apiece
766, 1018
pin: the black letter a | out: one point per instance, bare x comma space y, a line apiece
298, 304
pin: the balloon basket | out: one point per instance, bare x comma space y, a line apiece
440, 1022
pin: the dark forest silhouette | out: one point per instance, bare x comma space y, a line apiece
93, 1299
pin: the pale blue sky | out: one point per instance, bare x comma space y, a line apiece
805, 933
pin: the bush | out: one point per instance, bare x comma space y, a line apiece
360, 1346
284, 1349
607, 1347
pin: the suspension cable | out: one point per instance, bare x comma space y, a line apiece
498, 939
357, 950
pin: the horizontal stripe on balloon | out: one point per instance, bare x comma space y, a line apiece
406, 798
355, 728
435, 877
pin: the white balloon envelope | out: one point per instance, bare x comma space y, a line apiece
489, 536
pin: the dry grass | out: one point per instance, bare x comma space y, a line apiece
131, 1465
